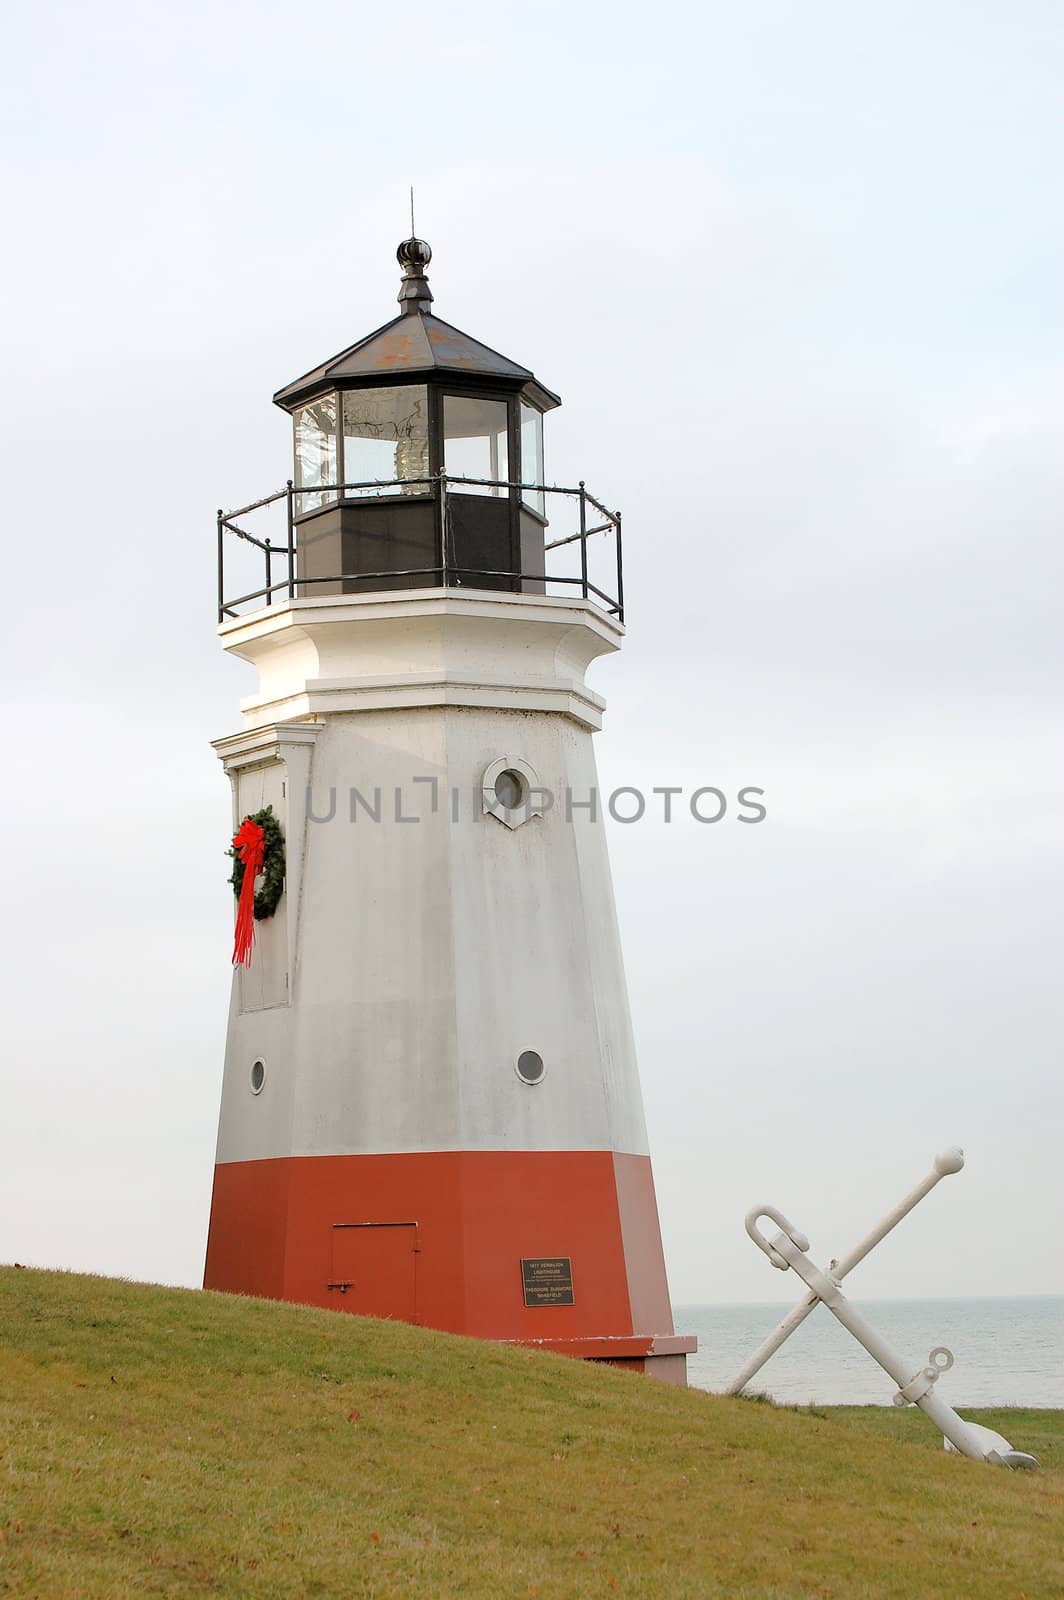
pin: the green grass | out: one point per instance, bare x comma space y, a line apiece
163, 1442
1039, 1432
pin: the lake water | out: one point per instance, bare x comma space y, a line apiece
1006, 1352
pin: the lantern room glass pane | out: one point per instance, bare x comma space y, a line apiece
386, 437
476, 442
315, 453
532, 457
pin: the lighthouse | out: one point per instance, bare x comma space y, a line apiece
431, 1108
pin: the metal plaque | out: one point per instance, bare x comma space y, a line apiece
547, 1281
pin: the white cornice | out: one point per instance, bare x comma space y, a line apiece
429, 647
402, 603
257, 746
314, 699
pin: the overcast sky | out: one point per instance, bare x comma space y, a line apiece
796, 271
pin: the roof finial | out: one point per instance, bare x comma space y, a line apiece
414, 255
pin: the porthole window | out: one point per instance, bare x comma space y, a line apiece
258, 1076
511, 789
530, 1068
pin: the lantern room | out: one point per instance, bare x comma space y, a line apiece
418, 459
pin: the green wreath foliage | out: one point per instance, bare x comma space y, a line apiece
273, 862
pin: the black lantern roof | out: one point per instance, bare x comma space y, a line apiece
414, 347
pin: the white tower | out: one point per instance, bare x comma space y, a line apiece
431, 1108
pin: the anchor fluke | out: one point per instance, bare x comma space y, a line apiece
998, 1451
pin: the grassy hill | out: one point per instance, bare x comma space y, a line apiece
163, 1442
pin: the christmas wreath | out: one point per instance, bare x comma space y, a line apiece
258, 849
272, 868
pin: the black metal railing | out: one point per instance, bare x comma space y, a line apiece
446, 571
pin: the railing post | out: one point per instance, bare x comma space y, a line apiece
620, 573
583, 540
291, 542
269, 572
443, 528
221, 569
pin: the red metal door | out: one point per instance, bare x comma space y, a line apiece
374, 1269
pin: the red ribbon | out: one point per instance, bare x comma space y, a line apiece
249, 842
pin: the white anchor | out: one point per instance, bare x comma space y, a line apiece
788, 1249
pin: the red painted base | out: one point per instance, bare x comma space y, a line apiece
438, 1239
